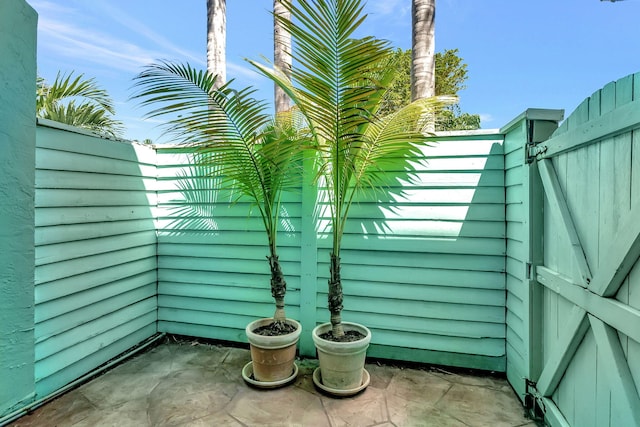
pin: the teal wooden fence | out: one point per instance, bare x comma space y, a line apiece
424, 269
95, 254
586, 301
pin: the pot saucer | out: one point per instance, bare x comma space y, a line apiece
247, 373
317, 380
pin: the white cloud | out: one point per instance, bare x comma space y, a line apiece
60, 31
486, 117
234, 69
44, 6
75, 42
389, 7
140, 28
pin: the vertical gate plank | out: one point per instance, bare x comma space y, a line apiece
619, 257
562, 354
594, 106
623, 389
603, 397
608, 98
635, 166
583, 200
559, 206
624, 90
551, 332
584, 396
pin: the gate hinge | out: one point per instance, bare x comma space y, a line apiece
529, 271
532, 401
534, 150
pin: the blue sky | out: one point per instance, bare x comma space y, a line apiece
520, 54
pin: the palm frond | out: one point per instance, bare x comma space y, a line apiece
67, 87
86, 116
196, 210
339, 84
230, 131
77, 101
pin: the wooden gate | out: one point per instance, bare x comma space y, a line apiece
586, 302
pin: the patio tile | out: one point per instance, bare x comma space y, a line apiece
157, 361
185, 356
419, 415
479, 406
68, 409
278, 408
115, 388
177, 408
221, 419
489, 381
365, 409
418, 386
132, 413
380, 375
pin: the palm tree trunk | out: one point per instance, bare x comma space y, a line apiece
335, 296
423, 81
217, 39
281, 52
278, 286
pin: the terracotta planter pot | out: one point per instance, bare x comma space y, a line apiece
272, 357
342, 363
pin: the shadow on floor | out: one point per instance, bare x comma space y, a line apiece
196, 384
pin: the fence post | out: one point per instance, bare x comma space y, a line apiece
308, 258
524, 243
18, 23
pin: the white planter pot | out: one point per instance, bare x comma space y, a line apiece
342, 363
272, 357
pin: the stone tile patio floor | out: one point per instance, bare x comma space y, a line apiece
200, 384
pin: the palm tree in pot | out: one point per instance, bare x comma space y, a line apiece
253, 155
338, 83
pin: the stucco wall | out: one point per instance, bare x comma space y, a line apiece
18, 23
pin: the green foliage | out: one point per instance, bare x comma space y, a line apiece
79, 102
451, 72
338, 85
451, 75
399, 93
452, 119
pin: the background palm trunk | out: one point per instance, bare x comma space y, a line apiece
281, 52
217, 39
423, 82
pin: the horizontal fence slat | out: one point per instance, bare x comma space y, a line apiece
91, 298
48, 159
46, 347
78, 198
48, 235
92, 181
99, 214
73, 267
65, 251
